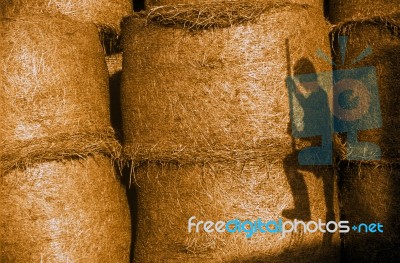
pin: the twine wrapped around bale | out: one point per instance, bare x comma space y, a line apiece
69, 211
370, 190
348, 10
150, 3
205, 117
53, 92
106, 14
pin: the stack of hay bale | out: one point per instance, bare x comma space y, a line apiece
370, 189
61, 200
205, 115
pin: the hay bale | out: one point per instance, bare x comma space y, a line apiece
382, 36
370, 194
370, 189
168, 195
70, 211
54, 92
149, 3
348, 10
190, 94
205, 111
106, 14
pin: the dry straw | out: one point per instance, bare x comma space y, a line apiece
150, 3
205, 111
106, 14
190, 94
70, 211
382, 35
168, 195
371, 194
53, 92
370, 190
348, 10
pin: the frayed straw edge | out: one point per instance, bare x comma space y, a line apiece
139, 154
20, 155
212, 15
391, 22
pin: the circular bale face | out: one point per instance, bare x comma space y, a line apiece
351, 10
205, 119
106, 14
54, 91
71, 211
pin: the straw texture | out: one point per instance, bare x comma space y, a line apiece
382, 36
53, 92
69, 211
190, 94
348, 10
370, 189
106, 14
168, 195
370, 194
314, 3
205, 117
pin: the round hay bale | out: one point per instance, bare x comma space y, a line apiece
191, 94
374, 43
206, 110
348, 10
371, 194
106, 14
70, 211
169, 195
53, 92
314, 3
370, 190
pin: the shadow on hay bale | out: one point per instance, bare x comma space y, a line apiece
205, 115
370, 190
352, 10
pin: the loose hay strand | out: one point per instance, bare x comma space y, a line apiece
211, 15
